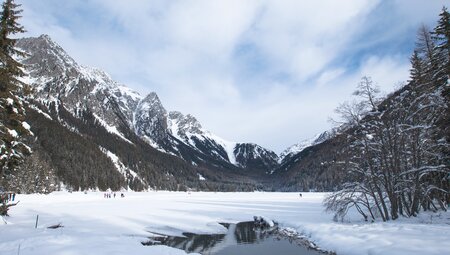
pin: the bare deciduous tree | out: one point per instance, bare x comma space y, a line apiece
398, 153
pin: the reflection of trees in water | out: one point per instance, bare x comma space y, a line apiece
269, 241
194, 243
243, 232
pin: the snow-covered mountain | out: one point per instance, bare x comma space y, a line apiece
298, 147
150, 119
58, 78
187, 129
254, 156
245, 155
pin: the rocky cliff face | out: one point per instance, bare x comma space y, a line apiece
184, 125
150, 119
249, 155
56, 77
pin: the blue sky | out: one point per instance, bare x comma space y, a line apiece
268, 71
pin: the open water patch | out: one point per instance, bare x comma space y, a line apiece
245, 238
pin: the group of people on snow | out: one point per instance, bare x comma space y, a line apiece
6, 197
113, 194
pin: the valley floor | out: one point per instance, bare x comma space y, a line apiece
97, 225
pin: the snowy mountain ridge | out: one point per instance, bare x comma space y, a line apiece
58, 78
299, 147
55, 76
186, 128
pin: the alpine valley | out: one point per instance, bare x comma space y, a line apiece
90, 132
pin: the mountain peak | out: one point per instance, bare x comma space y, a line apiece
152, 96
297, 148
182, 125
150, 118
45, 37
47, 57
254, 156
151, 103
56, 75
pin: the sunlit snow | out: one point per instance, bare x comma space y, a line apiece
97, 225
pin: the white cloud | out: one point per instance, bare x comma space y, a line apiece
303, 37
386, 71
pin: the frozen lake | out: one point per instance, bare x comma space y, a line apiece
97, 225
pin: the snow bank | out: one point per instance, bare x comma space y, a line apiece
263, 221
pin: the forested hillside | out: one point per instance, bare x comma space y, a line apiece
391, 156
81, 154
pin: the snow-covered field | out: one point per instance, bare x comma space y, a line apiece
97, 225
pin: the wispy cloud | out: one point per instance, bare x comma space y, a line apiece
269, 72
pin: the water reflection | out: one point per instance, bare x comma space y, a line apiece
241, 238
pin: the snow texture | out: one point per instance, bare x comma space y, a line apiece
40, 111
297, 148
201, 178
26, 125
97, 225
13, 132
9, 101
111, 129
186, 128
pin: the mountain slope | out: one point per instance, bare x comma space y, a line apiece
287, 154
324, 166
87, 102
57, 77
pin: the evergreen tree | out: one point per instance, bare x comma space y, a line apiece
12, 113
441, 35
417, 69
10, 68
